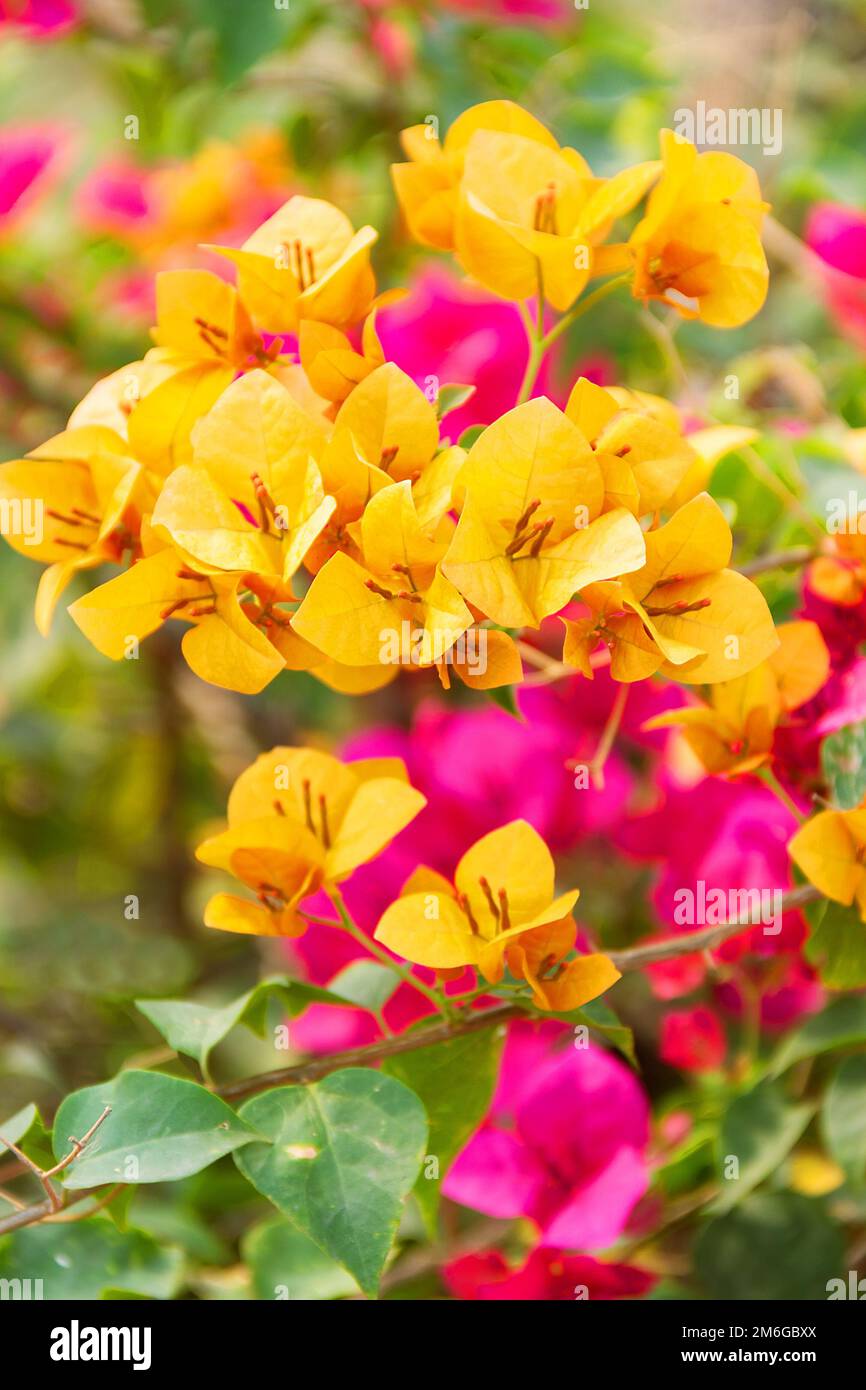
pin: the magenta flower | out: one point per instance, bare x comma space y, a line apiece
551, 11
117, 200
546, 1276
728, 836
39, 19
30, 158
563, 1143
838, 235
693, 1039
457, 334
733, 837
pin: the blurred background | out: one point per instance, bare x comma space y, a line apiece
132, 131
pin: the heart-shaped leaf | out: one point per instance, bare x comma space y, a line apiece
160, 1129
343, 1155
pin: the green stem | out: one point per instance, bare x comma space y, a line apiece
540, 343
770, 780
533, 366
382, 956
583, 306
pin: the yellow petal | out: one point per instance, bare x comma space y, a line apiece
354, 680
52, 584
515, 859
226, 912
228, 650
272, 850
378, 811
590, 407
198, 314
534, 451
657, 457
427, 194
801, 663
433, 493
160, 425
391, 533
428, 929
735, 630
616, 196
34, 487
133, 605
827, 853
504, 116
492, 661
635, 655
697, 540
582, 980
344, 618
393, 423
581, 640
610, 546
201, 518
275, 783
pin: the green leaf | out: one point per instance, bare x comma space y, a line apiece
597, 1016
778, 1245
17, 1125
452, 397
343, 1155
841, 1024
26, 1128
469, 436
285, 1264
195, 1029
366, 984
843, 758
455, 1081
244, 34
90, 1260
843, 1118
160, 1129
691, 1161
601, 1018
504, 696
759, 1130
837, 947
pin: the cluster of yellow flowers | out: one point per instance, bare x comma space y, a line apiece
300, 820
306, 515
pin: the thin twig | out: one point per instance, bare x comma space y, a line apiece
317, 1067
704, 940
797, 555
470, 1022
53, 1202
